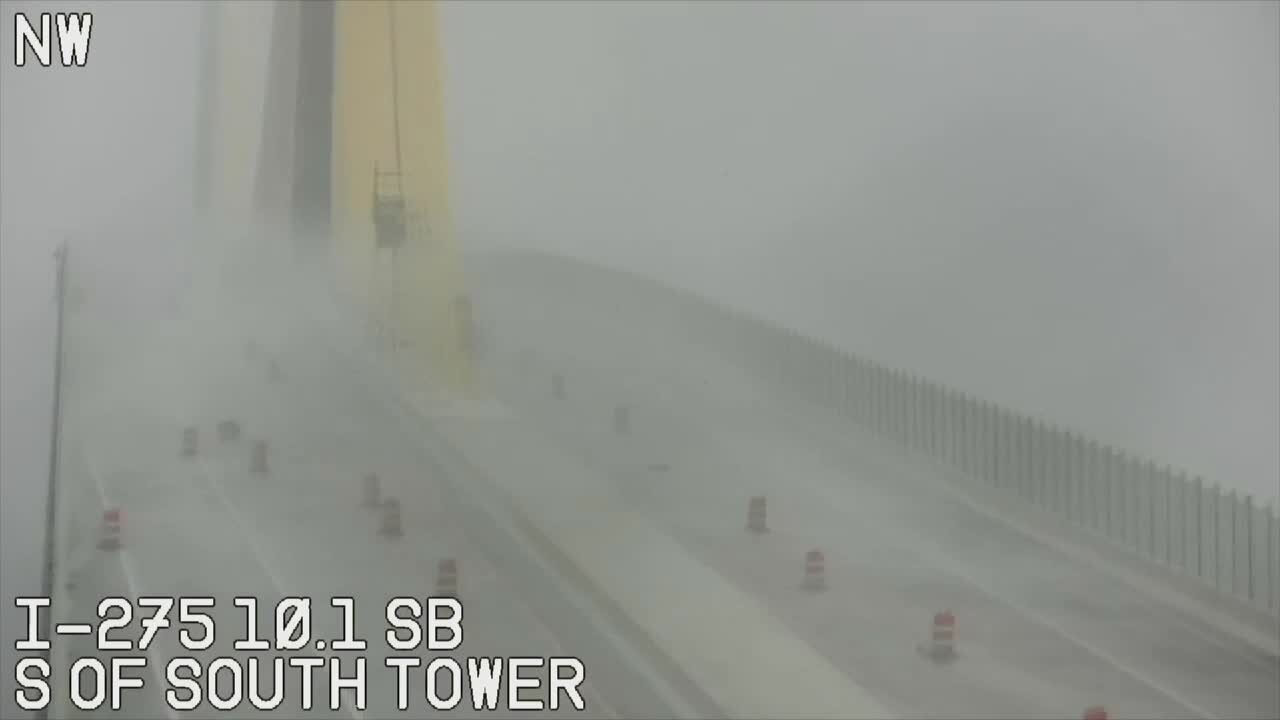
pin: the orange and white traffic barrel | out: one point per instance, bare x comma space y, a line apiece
109, 532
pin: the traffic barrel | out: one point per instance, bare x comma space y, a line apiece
756, 514
815, 570
557, 386
371, 491
447, 578
942, 638
190, 441
258, 457
228, 431
390, 526
1097, 712
109, 532
622, 420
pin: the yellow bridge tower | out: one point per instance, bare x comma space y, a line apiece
327, 118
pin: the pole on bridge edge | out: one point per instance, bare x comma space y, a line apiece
55, 434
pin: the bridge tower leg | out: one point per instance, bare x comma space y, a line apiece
327, 118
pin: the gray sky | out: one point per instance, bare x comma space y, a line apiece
82, 149
1072, 209
1068, 208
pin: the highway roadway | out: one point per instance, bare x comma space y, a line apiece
210, 526
1039, 633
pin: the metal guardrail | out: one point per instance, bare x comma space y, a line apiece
1222, 537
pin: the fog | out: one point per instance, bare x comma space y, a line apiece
1069, 209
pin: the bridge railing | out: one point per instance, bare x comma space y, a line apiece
1224, 538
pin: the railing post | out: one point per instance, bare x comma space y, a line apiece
1079, 466
1042, 453
902, 400
949, 426
1166, 489
860, 391
1029, 482
1148, 475
1133, 504
867, 392
1217, 536
1014, 471
872, 375
895, 403
1235, 538
913, 412
888, 398
1107, 519
984, 444
884, 410
924, 416
969, 432
1248, 534
1090, 454
1053, 472
1004, 438
894, 387
1131, 523
998, 440
1036, 457
973, 435
947, 430
884, 392
931, 418
851, 401
946, 426
1053, 467
1101, 489
1182, 526
1199, 485
1109, 473
1089, 481
1024, 458
1122, 484
1272, 541
1062, 461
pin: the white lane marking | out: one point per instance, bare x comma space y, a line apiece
948, 565
255, 548
1156, 591
130, 576
587, 687
1172, 599
598, 703
832, 497
943, 563
594, 615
